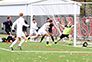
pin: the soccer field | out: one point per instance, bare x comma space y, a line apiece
39, 52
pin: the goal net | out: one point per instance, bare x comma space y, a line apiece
63, 13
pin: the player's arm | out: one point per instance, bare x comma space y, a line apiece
47, 25
3, 24
61, 25
72, 26
14, 25
25, 24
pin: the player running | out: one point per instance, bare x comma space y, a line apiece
50, 30
44, 31
66, 32
19, 22
8, 24
33, 29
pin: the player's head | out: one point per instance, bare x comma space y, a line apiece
48, 19
34, 20
9, 18
21, 14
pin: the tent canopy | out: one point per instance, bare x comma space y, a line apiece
14, 8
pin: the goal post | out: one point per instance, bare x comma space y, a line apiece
52, 13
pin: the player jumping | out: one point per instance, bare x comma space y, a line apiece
66, 32
19, 22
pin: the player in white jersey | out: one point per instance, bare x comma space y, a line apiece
33, 29
44, 31
19, 22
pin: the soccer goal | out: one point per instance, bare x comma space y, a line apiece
63, 12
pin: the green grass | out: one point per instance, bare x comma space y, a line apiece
73, 54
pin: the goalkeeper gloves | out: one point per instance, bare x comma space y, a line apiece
13, 30
2, 28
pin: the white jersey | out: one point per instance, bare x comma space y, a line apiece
19, 22
43, 29
44, 26
34, 26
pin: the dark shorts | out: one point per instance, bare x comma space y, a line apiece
50, 32
63, 35
8, 31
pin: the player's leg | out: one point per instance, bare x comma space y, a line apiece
70, 39
42, 38
7, 32
52, 37
11, 47
47, 43
62, 36
24, 39
35, 32
29, 37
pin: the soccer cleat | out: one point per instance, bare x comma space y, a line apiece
55, 42
48, 44
11, 48
19, 47
26, 39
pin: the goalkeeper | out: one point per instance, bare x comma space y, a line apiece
66, 32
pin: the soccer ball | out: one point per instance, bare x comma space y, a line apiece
87, 21
85, 44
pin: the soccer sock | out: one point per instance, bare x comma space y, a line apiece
58, 40
6, 41
47, 38
13, 43
47, 42
32, 37
21, 42
70, 40
28, 37
52, 38
42, 38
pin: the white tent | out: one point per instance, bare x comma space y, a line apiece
13, 8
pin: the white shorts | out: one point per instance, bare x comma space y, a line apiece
33, 32
20, 34
41, 32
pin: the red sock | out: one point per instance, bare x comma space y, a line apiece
6, 41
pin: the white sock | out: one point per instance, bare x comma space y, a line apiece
21, 42
32, 37
13, 43
47, 38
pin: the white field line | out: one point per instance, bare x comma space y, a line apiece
49, 51
79, 46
